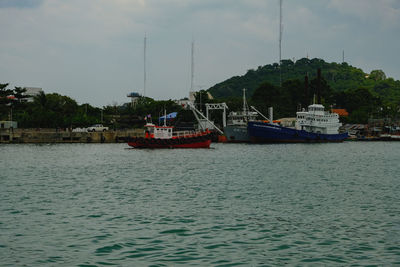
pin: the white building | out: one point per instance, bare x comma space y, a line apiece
32, 92
8, 124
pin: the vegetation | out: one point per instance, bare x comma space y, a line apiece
4, 100
361, 103
339, 77
57, 111
342, 86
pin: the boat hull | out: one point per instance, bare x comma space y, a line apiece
236, 134
192, 142
261, 132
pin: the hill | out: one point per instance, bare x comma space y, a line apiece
340, 77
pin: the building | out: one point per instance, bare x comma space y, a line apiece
134, 98
31, 92
340, 111
8, 124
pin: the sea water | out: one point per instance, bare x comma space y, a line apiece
231, 205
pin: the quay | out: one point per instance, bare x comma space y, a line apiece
37, 136
43, 136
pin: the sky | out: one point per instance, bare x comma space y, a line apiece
93, 50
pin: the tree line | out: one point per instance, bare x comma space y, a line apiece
364, 95
294, 95
362, 102
57, 111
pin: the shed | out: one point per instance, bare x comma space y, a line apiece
8, 124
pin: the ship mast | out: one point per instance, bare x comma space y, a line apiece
144, 65
280, 41
245, 107
192, 68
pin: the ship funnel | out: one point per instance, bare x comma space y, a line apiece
306, 92
271, 116
319, 86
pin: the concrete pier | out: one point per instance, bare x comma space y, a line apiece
66, 136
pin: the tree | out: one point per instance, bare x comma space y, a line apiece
40, 99
4, 92
377, 75
19, 93
293, 96
201, 98
361, 103
265, 96
50, 111
20, 97
325, 90
4, 100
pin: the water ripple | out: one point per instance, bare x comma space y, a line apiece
250, 205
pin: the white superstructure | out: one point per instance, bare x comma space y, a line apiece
160, 132
317, 120
240, 118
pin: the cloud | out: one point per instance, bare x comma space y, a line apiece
383, 12
93, 50
20, 3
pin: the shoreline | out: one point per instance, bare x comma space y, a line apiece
51, 136
39, 136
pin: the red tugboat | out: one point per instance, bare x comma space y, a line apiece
165, 137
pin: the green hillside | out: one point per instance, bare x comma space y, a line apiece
340, 77
363, 95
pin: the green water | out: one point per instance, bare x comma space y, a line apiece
234, 204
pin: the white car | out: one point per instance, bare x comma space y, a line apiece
97, 128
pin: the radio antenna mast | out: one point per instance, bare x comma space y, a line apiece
192, 68
280, 40
343, 57
144, 65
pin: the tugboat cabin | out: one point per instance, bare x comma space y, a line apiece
159, 132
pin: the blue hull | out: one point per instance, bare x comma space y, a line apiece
261, 132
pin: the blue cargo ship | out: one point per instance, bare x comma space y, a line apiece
313, 125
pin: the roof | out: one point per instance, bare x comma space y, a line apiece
355, 126
316, 106
133, 94
32, 91
170, 116
340, 111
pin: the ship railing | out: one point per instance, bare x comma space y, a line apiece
186, 134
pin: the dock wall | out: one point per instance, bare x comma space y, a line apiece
65, 136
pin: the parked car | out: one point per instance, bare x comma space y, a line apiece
97, 128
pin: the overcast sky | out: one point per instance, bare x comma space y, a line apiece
92, 50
